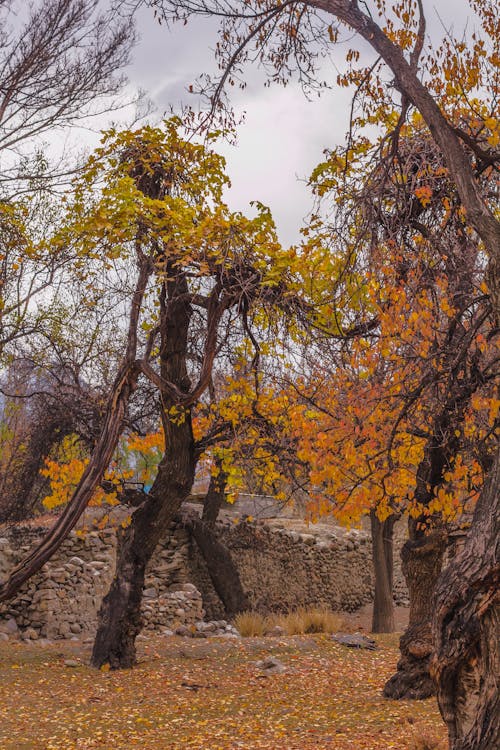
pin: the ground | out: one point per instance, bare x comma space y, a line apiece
210, 693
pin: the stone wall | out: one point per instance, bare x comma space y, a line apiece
282, 564
282, 569
64, 597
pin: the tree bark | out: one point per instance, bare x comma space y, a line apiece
466, 664
119, 619
422, 557
383, 565
221, 568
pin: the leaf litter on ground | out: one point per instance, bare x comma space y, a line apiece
189, 695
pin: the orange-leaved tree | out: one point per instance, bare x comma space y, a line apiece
399, 405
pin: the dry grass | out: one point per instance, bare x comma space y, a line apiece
305, 621
251, 624
301, 622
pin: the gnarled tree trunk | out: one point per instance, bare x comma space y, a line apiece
120, 614
466, 628
422, 557
119, 620
382, 533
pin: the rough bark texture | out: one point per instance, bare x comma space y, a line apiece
382, 555
221, 568
466, 665
422, 558
119, 619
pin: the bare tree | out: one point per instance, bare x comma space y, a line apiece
58, 65
60, 62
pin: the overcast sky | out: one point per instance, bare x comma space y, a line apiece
283, 135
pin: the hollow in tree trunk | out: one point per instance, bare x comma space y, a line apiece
382, 533
466, 627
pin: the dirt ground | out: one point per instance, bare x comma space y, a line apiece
362, 619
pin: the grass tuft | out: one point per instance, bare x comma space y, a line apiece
300, 622
428, 741
250, 624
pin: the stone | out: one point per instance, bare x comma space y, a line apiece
44, 642
355, 640
271, 665
150, 593
4, 636
71, 663
9, 626
30, 634
275, 631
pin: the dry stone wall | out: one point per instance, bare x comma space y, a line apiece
283, 569
63, 599
281, 566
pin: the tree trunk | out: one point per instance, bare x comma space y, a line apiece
382, 554
220, 564
214, 497
466, 664
119, 619
422, 557
221, 568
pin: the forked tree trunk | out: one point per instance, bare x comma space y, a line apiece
382, 533
466, 627
422, 557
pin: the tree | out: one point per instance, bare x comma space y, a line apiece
466, 630
278, 31
58, 66
40, 409
60, 63
199, 268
